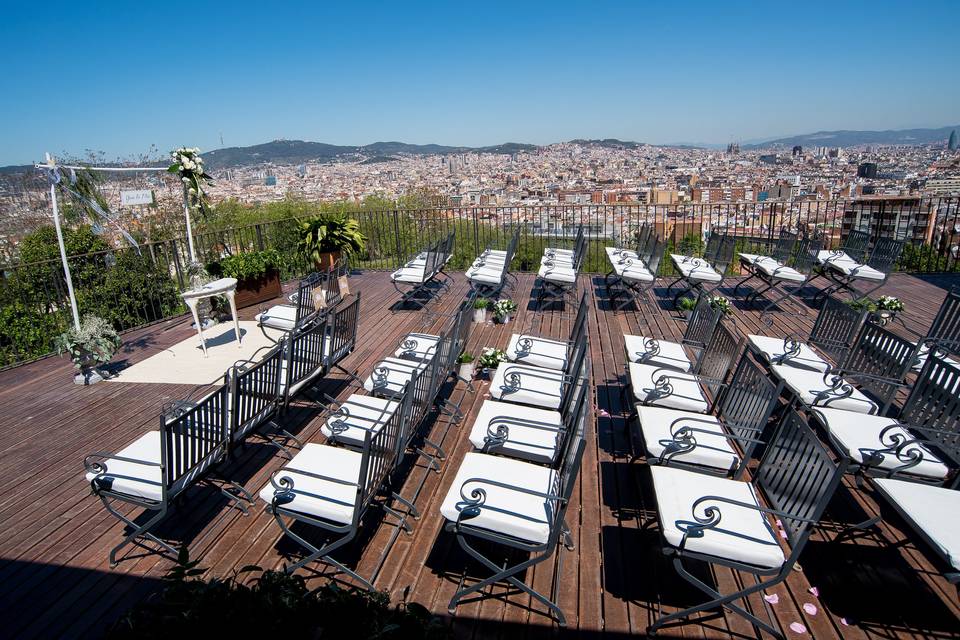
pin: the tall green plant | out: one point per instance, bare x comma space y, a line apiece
328, 233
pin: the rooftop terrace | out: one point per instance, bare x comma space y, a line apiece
54, 537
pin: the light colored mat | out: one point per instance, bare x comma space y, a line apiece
183, 363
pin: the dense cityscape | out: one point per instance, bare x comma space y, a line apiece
573, 173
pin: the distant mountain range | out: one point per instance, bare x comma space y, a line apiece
845, 138
299, 152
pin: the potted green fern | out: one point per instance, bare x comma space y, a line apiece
257, 274
90, 346
324, 238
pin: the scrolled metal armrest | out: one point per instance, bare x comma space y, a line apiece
470, 507
93, 463
686, 428
284, 483
712, 515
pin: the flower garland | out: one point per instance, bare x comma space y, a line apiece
188, 164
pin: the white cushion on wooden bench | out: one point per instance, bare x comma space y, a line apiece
771, 350
399, 371
549, 354
423, 346
279, 316
129, 478
712, 449
934, 510
359, 414
806, 385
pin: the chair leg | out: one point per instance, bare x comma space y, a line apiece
139, 531
322, 553
508, 574
719, 600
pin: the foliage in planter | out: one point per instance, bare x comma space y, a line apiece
247, 265
329, 233
686, 303
491, 358
465, 358
481, 303
269, 604
94, 343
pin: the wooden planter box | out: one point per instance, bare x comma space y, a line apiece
250, 291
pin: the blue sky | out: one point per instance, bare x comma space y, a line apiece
120, 77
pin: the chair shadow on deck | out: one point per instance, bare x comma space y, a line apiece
613, 434
874, 587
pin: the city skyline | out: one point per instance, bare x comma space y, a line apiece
125, 78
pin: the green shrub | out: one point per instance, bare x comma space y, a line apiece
246, 265
270, 605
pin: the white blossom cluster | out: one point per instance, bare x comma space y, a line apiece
491, 357
504, 307
890, 303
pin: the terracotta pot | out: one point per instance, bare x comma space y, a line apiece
251, 291
327, 260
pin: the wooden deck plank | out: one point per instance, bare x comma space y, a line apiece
54, 579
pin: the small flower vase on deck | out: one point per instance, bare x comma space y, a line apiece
466, 371
479, 316
505, 319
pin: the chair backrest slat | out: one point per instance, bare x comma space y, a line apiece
749, 401
805, 253
341, 332
885, 254
855, 244
880, 352
702, 323
381, 450
254, 392
304, 353
945, 328
835, 328
194, 441
797, 476
723, 348
783, 247
934, 402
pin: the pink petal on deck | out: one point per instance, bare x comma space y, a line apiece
796, 627
779, 524
814, 591
844, 622
783, 534
772, 598
603, 413
810, 608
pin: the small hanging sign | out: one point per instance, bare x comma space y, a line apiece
134, 198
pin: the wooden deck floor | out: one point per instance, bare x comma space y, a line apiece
54, 537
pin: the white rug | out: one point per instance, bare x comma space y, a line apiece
184, 363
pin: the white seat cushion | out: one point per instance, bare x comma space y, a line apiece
859, 436
743, 535
670, 354
685, 395
809, 385
695, 268
516, 514
358, 415
558, 251
934, 510
535, 386
537, 352
824, 256
532, 434
486, 275
412, 275
138, 480
772, 351
616, 253
324, 499
779, 271
636, 273
855, 270
398, 372
711, 449
557, 273
417, 346
559, 260
279, 316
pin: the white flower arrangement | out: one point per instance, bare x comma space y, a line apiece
889, 303
503, 308
188, 164
490, 357
721, 304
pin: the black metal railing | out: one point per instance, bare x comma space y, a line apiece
133, 288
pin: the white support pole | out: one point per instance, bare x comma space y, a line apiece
63, 249
186, 212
